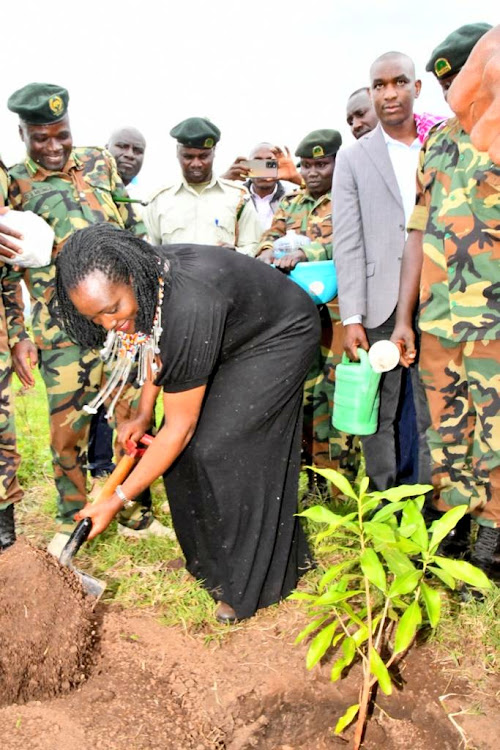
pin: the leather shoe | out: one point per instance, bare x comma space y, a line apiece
225, 613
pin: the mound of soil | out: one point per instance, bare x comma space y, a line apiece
158, 688
47, 627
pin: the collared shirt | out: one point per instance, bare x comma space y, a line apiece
86, 191
221, 213
263, 206
404, 160
458, 210
303, 214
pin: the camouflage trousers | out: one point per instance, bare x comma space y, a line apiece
323, 445
72, 377
10, 491
462, 385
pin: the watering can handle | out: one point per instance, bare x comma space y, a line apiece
363, 358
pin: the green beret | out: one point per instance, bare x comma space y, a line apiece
319, 143
451, 55
39, 103
196, 132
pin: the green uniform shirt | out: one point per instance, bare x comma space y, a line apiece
85, 192
305, 215
458, 209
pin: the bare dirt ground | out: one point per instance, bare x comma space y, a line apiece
143, 686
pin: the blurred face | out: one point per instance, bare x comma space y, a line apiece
108, 304
393, 90
128, 147
361, 116
196, 163
48, 145
318, 174
265, 184
446, 83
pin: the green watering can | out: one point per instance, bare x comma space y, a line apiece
356, 400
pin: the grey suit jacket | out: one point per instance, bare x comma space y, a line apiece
368, 230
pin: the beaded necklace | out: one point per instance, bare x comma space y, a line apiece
121, 350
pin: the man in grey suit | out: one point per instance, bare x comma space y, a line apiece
373, 195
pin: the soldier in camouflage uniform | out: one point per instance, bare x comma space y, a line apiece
309, 212
454, 244
456, 226
70, 188
10, 491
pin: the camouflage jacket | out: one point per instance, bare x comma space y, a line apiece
458, 209
87, 191
305, 215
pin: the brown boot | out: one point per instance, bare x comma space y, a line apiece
225, 613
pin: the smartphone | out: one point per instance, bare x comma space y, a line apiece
262, 167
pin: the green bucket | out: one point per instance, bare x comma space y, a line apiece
356, 400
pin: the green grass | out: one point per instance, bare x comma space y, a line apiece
138, 575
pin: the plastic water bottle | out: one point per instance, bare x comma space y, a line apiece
290, 242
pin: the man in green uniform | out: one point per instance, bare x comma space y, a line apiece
308, 212
452, 256
201, 208
10, 491
70, 188
449, 57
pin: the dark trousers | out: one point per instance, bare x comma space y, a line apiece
100, 449
380, 449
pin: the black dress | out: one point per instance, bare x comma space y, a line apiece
250, 334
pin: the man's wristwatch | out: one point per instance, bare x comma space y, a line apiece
125, 500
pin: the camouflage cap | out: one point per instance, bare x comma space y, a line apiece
39, 103
196, 132
451, 55
319, 143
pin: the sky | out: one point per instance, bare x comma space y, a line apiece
264, 70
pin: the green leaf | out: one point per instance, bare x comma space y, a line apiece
397, 562
310, 628
337, 479
413, 517
378, 668
338, 638
332, 527
320, 645
380, 531
332, 573
363, 486
445, 577
407, 627
395, 494
405, 583
408, 547
361, 635
320, 514
368, 503
301, 596
373, 568
464, 571
432, 600
349, 651
387, 511
445, 524
333, 596
347, 718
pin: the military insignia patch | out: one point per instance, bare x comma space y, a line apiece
442, 67
56, 105
208, 143
317, 152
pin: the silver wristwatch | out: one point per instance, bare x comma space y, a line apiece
125, 500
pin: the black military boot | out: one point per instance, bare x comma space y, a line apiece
486, 552
7, 530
